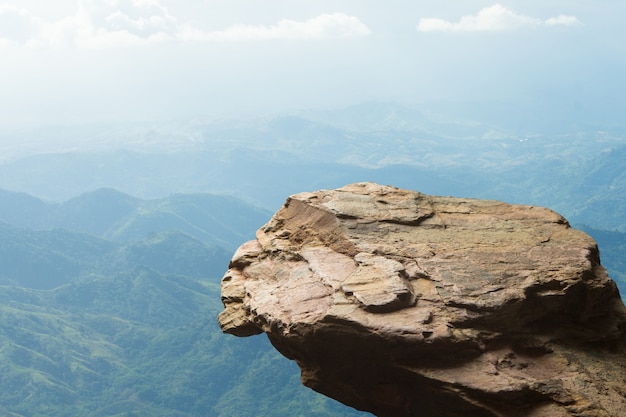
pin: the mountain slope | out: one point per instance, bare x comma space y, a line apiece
141, 343
110, 214
21, 209
47, 259
94, 212
95, 327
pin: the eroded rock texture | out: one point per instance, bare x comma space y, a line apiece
404, 304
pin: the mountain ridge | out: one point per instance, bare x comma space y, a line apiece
117, 216
577, 172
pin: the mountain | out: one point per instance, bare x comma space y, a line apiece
95, 212
137, 343
172, 253
47, 259
95, 326
116, 216
219, 220
107, 232
578, 172
21, 209
108, 276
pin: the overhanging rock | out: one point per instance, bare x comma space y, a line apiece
404, 304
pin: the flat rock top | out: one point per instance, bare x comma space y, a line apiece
436, 281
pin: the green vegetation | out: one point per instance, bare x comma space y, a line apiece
138, 343
95, 327
109, 214
47, 259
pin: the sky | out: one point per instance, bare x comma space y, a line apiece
77, 61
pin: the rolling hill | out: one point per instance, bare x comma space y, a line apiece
99, 323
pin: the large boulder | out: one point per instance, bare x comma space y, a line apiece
405, 304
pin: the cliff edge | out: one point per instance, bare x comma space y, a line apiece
405, 304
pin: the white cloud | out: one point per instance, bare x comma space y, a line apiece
326, 26
562, 20
141, 18
17, 25
105, 23
494, 18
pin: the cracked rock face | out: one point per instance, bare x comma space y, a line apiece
404, 304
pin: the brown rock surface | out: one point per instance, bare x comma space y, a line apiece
404, 304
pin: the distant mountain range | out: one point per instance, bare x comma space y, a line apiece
109, 277
580, 173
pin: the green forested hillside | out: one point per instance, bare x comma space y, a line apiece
91, 326
47, 259
140, 343
21, 209
110, 214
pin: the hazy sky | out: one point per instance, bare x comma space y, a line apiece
93, 60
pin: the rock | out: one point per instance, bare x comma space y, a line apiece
404, 304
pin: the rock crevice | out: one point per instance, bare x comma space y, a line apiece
404, 304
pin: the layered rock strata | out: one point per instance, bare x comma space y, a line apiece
405, 304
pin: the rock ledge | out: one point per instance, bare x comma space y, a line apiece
404, 304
